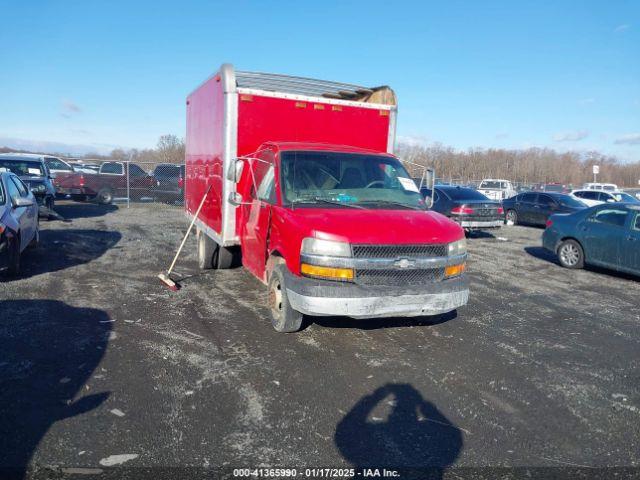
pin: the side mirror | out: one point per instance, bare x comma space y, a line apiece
430, 182
611, 200
18, 202
235, 170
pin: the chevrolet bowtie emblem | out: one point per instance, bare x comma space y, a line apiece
405, 263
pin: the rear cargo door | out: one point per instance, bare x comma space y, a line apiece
257, 219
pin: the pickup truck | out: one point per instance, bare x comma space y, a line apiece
300, 182
110, 182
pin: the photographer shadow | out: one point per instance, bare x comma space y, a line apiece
415, 436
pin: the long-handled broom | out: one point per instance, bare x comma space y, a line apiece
165, 277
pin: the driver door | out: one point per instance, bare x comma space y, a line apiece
257, 212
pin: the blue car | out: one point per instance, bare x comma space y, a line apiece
607, 236
18, 221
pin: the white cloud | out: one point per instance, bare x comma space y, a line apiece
621, 28
571, 136
628, 139
587, 101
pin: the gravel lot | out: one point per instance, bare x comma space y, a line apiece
102, 366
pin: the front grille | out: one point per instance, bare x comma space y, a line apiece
398, 277
399, 251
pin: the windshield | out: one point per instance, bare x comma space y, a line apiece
553, 188
569, 201
492, 184
464, 194
22, 168
339, 180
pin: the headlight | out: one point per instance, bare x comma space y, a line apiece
316, 246
458, 248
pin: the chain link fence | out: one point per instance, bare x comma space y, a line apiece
124, 182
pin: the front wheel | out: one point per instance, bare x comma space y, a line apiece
511, 217
570, 254
283, 317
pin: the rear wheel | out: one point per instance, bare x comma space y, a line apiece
105, 196
222, 258
283, 317
511, 217
206, 249
570, 254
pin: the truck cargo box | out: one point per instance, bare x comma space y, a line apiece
232, 113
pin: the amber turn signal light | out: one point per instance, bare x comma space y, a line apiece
330, 273
454, 270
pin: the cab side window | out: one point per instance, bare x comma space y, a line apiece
266, 189
610, 216
636, 225
112, 168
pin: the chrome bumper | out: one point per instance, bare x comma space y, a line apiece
325, 298
485, 224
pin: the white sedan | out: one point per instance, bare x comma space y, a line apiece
598, 197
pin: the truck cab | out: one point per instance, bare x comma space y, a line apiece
334, 230
297, 179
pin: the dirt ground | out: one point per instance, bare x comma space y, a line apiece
101, 366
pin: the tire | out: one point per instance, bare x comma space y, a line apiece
14, 258
105, 196
50, 203
511, 216
222, 258
284, 319
570, 254
206, 249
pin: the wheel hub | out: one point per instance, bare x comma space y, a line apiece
569, 254
275, 298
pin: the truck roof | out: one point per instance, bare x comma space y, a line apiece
324, 147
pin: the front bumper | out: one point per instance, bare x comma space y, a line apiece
328, 298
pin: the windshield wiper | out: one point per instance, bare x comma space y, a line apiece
324, 200
391, 202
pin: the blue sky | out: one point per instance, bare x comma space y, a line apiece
510, 73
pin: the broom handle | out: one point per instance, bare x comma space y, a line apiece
184, 240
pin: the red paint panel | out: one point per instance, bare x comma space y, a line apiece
262, 119
204, 152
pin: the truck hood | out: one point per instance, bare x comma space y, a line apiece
391, 227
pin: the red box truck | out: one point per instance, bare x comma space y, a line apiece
305, 189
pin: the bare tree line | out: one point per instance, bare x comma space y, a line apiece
531, 166
169, 149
